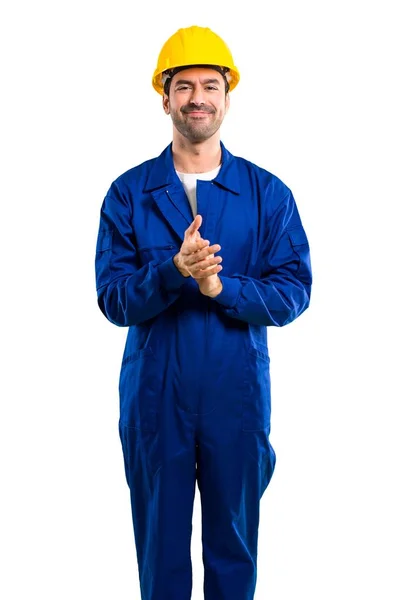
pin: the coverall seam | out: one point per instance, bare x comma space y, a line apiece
279, 206
130, 205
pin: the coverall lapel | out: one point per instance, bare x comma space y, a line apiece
174, 205
167, 191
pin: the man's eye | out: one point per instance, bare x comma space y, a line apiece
212, 87
182, 87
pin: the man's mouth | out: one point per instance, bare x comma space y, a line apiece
203, 111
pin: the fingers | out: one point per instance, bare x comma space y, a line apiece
203, 254
206, 263
204, 274
198, 257
194, 246
205, 268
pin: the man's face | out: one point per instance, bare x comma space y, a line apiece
197, 102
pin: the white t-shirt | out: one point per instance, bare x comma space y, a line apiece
189, 182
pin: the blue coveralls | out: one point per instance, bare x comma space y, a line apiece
194, 383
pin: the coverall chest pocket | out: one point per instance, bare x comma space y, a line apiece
158, 253
139, 400
256, 405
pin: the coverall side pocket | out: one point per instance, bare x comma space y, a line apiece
138, 391
268, 467
256, 405
103, 257
125, 448
129, 442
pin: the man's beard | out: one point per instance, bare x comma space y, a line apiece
194, 130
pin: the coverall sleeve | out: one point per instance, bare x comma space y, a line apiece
128, 293
283, 290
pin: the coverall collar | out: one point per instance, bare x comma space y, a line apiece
163, 172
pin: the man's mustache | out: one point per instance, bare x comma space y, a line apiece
196, 108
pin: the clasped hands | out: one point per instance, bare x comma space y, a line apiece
197, 259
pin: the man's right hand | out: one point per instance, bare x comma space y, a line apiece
196, 256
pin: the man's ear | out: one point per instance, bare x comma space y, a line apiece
165, 102
227, 102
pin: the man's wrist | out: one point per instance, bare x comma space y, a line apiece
217, 290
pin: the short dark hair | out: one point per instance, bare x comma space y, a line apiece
172, 72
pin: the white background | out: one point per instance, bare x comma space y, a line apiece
318, 106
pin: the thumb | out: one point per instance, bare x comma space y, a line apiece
197, 222
195, 225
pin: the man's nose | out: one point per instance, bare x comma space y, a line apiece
197, 96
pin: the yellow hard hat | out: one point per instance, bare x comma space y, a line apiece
194, 46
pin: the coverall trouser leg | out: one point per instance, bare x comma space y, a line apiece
232, 467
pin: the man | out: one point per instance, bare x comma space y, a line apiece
194, 384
